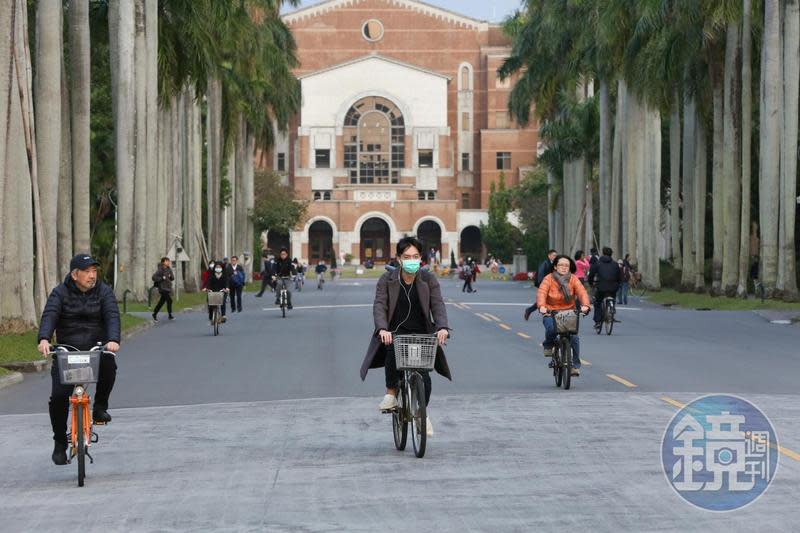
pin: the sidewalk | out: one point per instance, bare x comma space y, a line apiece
538, 462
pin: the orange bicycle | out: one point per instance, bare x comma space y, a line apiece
81, 369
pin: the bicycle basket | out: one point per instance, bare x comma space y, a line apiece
215, 298
78, 368
415, 351
567, 322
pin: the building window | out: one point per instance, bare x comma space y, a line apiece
465, 78
322, 195
323, 158
372, 30
374, 135
501, 120
465, 161
503, 160
426, 195
425, 159
465, 121
464, 200
281, 162
502, 84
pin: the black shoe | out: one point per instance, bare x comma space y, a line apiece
290, 306
598, 325
171, 317
528, 312
155, 318
258, 295
101, 416
59, 453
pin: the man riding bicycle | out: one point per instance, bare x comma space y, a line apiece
320, 270
605, 276
558, 292
283, 268
405, 301
81, 311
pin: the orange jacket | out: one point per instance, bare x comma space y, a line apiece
551, 297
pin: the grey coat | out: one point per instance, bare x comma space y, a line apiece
163, 278
386, 294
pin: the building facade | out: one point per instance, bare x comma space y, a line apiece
403, 128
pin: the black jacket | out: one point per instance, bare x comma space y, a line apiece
605, 275
81, 319
213, 283
283, 268
163, 278
544, 269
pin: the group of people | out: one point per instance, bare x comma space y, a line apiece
468, 270
228, 277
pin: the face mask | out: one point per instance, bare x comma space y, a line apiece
218, 270
411, 266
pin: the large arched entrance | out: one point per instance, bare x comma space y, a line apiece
430, 234
375, 240
320, 241
471, 244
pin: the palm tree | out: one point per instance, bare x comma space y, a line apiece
731, 164
79, 91
747, 128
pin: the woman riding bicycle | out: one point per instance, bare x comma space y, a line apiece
407, 301
558, 292
216, 282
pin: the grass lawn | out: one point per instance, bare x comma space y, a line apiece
14, 348
3, 371
722, 303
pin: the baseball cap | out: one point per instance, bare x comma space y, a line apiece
82, 262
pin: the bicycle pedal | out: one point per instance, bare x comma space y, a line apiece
99, 423
389, 411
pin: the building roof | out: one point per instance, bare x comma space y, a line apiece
380, 57
414, 5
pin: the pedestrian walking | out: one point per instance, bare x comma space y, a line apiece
266, 275
162, 280
545, 268
466, 271
582, 266
238, 279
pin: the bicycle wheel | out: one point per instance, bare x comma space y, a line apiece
566, 360
639, 289
419, 417
78, 413
557, 365
216, 321
283, 310
609, 321
400, 419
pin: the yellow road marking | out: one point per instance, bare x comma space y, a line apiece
523, 335
466, 306
492, 317
585, 362
785, 451
458, 305
486, 318
504, 326
621, 380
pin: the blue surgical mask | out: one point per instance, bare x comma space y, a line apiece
411, 266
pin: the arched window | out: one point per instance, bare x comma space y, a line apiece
374, 141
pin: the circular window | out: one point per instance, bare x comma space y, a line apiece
372, 30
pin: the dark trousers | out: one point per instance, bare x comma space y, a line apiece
236, 298
265, 282
393, 375
467, 284
166, 297
599, 296
59, 395
221, 308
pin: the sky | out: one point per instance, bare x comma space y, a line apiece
489, 10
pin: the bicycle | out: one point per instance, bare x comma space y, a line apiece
567, 323
637, 286
283, 296
320, 281
609, 310
299, 281
81, 369
215, 300
413, 354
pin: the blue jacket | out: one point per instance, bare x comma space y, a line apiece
81, 319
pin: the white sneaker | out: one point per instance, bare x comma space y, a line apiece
428, 427
389, 402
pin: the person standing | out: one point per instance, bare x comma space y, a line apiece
624, 285
81, 311
238, 278
206, 273
163, 278
594, 258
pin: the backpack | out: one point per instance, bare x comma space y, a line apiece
238, 278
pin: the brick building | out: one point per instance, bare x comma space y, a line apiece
402, 129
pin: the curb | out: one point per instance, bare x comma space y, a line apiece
27, 367
10, 379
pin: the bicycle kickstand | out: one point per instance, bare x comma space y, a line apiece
91, 460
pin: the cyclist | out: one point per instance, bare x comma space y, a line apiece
218, 281
320, 271
605, 277
283, 268
558, 292
407, 300
81, 311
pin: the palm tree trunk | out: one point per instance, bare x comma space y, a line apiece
192, 221
606, 161
649, 198
155, 245
47, 106
80, 92
121, 40
731, 165
689, 145
747, 129
791, 86
64, 227
675, 178
214, 165
141, 165
617, 171
551, 211
699, 218
632, 173
717, 181
770, 152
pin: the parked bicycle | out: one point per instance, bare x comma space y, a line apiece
608, 312
567, 323
215, 300
81, 369
414, 354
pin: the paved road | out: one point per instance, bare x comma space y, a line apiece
320, 459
